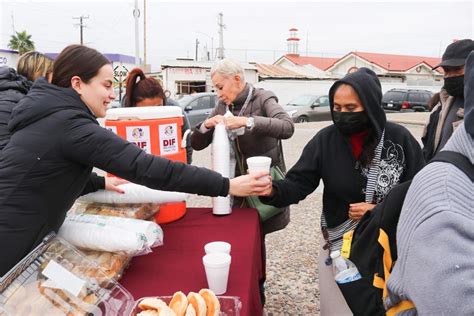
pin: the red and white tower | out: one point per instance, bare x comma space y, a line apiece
293, 41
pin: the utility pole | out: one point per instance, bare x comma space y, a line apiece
13, 23
81, 25
197, 47
136, 16
144, 33
220, 23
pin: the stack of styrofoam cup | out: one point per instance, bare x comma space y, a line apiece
220, 163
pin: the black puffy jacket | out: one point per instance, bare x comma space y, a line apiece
13, 87
55, 143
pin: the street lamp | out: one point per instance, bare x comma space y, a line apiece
212, 43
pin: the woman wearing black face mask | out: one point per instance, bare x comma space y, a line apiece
359, 158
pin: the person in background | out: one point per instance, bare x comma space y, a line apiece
14, 85
360, 159
448, 113
147, 91
435, 239
56, 141
258, 123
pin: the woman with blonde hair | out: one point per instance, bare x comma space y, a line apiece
33, 65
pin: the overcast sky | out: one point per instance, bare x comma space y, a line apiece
255, 30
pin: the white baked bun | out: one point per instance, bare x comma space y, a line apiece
166, 311
198, 303
151, 303
213, 306
179, 303
148, 312
190, 311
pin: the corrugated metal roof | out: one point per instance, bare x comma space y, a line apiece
273, 71
318, 62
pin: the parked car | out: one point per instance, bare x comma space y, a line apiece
406, 100
198, 106
309, 108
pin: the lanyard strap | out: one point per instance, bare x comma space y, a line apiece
247, 101
373, 172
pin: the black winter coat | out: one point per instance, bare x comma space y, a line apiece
54, 145
13, 87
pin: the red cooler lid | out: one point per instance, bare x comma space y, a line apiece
144, 113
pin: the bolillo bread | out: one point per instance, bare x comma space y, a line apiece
190, 311
212, 302
179, 303
198, 303
151, 303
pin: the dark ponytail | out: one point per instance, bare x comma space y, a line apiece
140, 87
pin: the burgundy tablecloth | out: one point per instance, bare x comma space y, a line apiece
177, 265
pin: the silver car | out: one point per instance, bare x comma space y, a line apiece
198, 106
309, 108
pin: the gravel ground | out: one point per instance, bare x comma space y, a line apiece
292, 276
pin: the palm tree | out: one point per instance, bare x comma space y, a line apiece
21, 42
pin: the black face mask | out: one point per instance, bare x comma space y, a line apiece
454, 86
350, 123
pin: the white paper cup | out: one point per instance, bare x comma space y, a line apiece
217, 267
217, 246
259, 163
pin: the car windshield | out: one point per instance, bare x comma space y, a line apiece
185, 100
302, 100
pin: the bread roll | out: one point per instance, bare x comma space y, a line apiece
212, 302
179, 303
166, 311
148, 312
190, 311
198, 303
151, 303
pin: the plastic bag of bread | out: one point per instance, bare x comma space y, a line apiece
50, 281
134, 193
137, 211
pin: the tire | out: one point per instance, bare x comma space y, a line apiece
302, 119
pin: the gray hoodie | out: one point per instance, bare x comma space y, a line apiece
435, 235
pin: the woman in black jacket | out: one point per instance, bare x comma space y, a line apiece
55, 143
359, 158
14, 85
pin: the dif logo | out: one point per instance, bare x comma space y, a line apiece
138, 134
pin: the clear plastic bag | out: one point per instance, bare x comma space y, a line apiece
136, 211
113, 234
